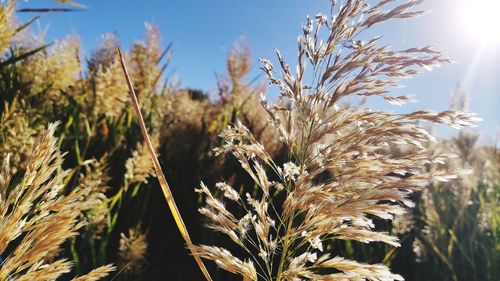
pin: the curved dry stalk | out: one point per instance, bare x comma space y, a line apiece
159, 173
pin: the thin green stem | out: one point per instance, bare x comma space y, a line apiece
286, 245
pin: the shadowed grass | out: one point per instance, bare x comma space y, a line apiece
159, 173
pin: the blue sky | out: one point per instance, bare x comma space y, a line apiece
203, 31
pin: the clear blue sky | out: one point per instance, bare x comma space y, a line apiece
203, 31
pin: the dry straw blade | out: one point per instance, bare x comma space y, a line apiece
161, 177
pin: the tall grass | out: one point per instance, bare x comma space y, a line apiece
302, 185
36, 219
335, 180
460, 235
43, 83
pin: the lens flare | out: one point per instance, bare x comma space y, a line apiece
482, 19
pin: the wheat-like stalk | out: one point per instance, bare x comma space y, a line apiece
36, 219
337, 180
159, 173
132, 251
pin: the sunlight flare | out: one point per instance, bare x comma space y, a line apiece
482, 20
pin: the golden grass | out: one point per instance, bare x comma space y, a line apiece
36, 218
335, 184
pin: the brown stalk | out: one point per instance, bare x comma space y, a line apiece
159, 173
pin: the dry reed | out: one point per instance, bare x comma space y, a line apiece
159, 173
335, 181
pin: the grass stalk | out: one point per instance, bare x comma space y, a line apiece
159, 173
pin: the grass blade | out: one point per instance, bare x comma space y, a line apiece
15, 59
26, 24
47, 10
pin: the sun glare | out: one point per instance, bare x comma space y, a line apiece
482, 19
